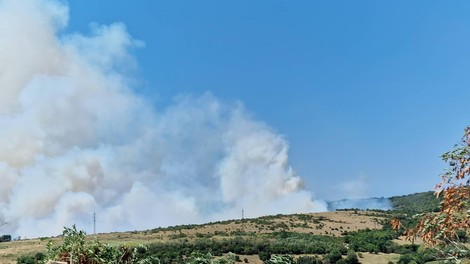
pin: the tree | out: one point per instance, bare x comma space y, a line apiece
352, 257
443, 228
264, 256
334, 256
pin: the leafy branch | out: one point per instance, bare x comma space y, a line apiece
442, 228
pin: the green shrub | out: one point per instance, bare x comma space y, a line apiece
352, 257
28, 259
308, 260
333, 256
264, 256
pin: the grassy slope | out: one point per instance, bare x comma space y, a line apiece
328, 223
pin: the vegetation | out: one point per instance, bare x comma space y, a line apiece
5, 238
284, 243
416, 203
373, 241
183, 246
447, 228
76, 249
31, 259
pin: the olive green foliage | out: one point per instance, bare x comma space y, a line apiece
373, 241
265, 256
410, 259
31, 259
281, 243
334, 256
416, 203
309, 260
76, 249
200, 258
352, 257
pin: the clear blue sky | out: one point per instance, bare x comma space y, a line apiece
365, 91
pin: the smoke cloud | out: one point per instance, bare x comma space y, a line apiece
356, 191
75, 138
362, 204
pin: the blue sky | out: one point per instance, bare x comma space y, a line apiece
368, 93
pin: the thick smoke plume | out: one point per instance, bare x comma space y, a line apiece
75, 138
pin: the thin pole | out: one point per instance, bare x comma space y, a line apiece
94, 223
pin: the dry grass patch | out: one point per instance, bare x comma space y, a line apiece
380, 258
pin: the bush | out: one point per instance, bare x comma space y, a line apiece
333, 256
352, 257
409, 259
308, 260
31, 259
264, 256
26, 260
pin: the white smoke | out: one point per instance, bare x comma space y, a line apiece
75, 138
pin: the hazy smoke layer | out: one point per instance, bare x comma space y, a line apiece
74, 139
362, 204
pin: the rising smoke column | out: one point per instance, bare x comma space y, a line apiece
75, 138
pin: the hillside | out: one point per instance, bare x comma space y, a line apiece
416, 203
314, 234
325, 227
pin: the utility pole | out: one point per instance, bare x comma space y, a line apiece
243, 214
94, 223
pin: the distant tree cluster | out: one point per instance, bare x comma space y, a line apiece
5, 238
373, 241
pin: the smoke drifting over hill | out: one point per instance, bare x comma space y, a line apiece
362, 204
75, 138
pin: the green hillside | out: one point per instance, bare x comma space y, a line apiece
416, 203
344, 236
